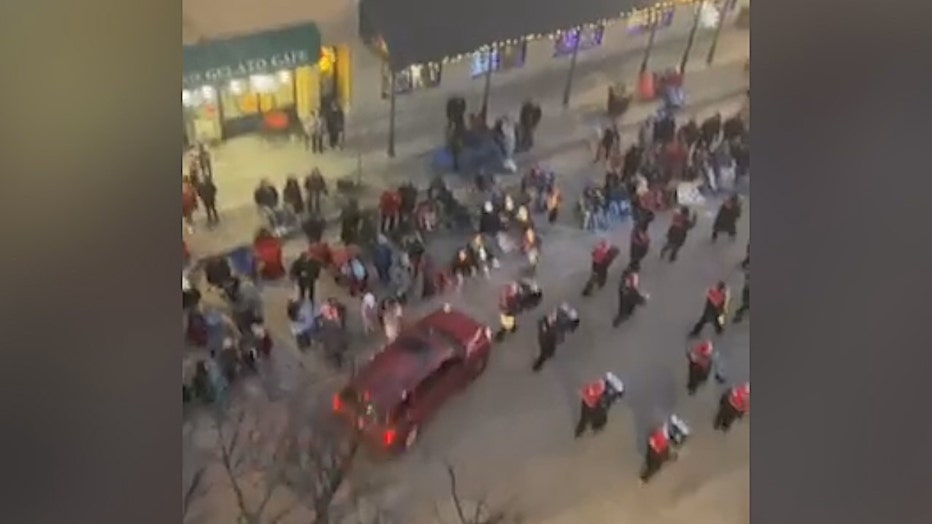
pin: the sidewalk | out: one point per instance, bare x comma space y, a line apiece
241, 162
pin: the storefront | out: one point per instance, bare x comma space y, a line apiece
264, 82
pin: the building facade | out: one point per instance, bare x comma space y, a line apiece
354, 74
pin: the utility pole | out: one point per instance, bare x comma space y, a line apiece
569, 77
488, 82
718, 31
650, 41
692, 36
391, 115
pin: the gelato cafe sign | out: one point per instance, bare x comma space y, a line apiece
243, 68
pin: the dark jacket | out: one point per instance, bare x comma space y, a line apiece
292, 195
207, 191
266, 196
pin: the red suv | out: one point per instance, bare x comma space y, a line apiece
405, 383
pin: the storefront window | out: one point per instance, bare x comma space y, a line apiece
589, 37
243, 97
414, 77
639, 22
502, 58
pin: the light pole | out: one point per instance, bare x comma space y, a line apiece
569, 77
650, 41
718, 31
692, 36
488, 83
391, 115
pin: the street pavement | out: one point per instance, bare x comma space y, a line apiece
242, 162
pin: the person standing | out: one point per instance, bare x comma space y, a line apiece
701, 359
315, 185
629, 296
314, 129
208, 193
305, 271
716, 305
733, 404
204, 160
607, 144
335, 125
682, 222
546, 340
292, 196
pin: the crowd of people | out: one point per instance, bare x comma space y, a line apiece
392, 241
471, 133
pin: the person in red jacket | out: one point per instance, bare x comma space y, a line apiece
389, 207
592, 411
734, 404
716, 304
701, 358
658, 452
268, 253
602, 257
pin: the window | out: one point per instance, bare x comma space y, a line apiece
505, 57
258, 93
411, 78
589, 37
639, 22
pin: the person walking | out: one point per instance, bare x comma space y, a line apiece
292, 196
733, 404
716, 305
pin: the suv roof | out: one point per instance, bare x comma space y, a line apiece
415, 354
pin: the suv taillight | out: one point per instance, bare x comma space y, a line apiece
388, 438
337, 403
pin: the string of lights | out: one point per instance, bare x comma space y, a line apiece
649, 14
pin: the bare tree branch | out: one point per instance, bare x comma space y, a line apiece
192, 492
455, 495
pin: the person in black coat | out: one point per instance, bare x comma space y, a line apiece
547, 338
335, 125
456, 112
304, 272
690, 133
266, 196
711, 129
315, 185
292, 196
208, 193
726, 221
528, 119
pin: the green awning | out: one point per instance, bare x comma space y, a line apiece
216, 61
